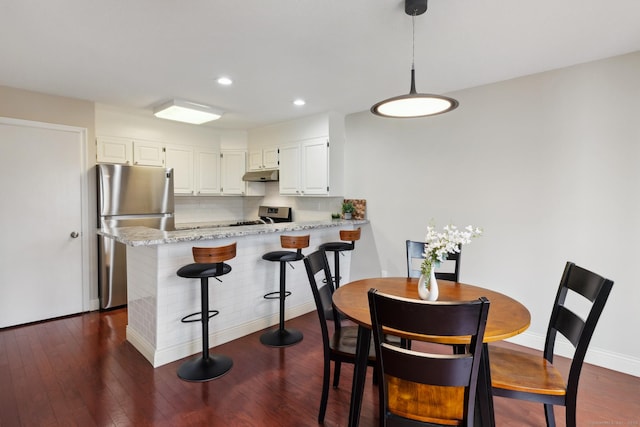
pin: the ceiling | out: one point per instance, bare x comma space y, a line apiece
339, 55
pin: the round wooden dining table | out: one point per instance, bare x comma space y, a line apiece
507, 318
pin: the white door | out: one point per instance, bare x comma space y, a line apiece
41, 183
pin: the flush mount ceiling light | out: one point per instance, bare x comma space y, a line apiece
414, 104
188, 112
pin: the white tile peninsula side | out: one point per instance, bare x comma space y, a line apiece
158, 298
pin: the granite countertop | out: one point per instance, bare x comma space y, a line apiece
145, 236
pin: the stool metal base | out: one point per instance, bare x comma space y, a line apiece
281, 337
201, 369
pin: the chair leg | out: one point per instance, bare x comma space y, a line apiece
325, 390
551, 420
336, 373
336, 267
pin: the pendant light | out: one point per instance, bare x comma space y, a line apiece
414, 104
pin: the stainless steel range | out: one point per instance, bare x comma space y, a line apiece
269, 215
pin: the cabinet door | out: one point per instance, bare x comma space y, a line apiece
315, 167
180, 158
233, 166
270, 158
114, 150
207, 172
255, 160
148, 153
290, 169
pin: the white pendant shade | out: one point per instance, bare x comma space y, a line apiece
187, 112
414, 105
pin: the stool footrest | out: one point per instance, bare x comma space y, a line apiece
276, 295
187, 318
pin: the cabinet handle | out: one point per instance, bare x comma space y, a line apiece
74, 234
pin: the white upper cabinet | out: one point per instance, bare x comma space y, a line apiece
310, 156
207, 171
233, 167
114, 150
148, 153
264, 158
290, 162
304, 168
315, 167
180, 158
129, 151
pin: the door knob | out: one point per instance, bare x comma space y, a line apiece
74, 234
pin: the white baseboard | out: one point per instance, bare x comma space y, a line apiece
167, 355
595, 356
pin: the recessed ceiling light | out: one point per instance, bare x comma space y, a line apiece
225, 81
299, 102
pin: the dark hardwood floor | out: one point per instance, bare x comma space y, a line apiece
81, 371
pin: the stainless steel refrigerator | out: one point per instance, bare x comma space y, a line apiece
128, 196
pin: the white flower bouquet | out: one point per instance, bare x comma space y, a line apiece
440, 244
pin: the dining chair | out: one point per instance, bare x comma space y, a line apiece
524, 376
340, 346
448, 270
420, 386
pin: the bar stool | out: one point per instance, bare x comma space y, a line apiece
209, 262
337, 248
282, 337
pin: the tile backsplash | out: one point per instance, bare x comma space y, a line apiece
223, 208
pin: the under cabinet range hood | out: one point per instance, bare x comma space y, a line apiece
261, 176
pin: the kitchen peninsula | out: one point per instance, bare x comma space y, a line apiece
158, 298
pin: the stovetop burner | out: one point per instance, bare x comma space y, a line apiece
268, 215
239, 223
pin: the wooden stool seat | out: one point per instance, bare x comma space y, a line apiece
209, 262
282, 337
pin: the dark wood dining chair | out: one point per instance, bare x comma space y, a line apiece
450, 270
524, 376
339, 345
422, 387
415, 255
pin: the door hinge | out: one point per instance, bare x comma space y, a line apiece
164, 149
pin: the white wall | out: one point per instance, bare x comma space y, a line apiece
547, 164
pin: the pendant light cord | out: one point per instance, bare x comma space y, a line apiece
412, 89
413, 38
